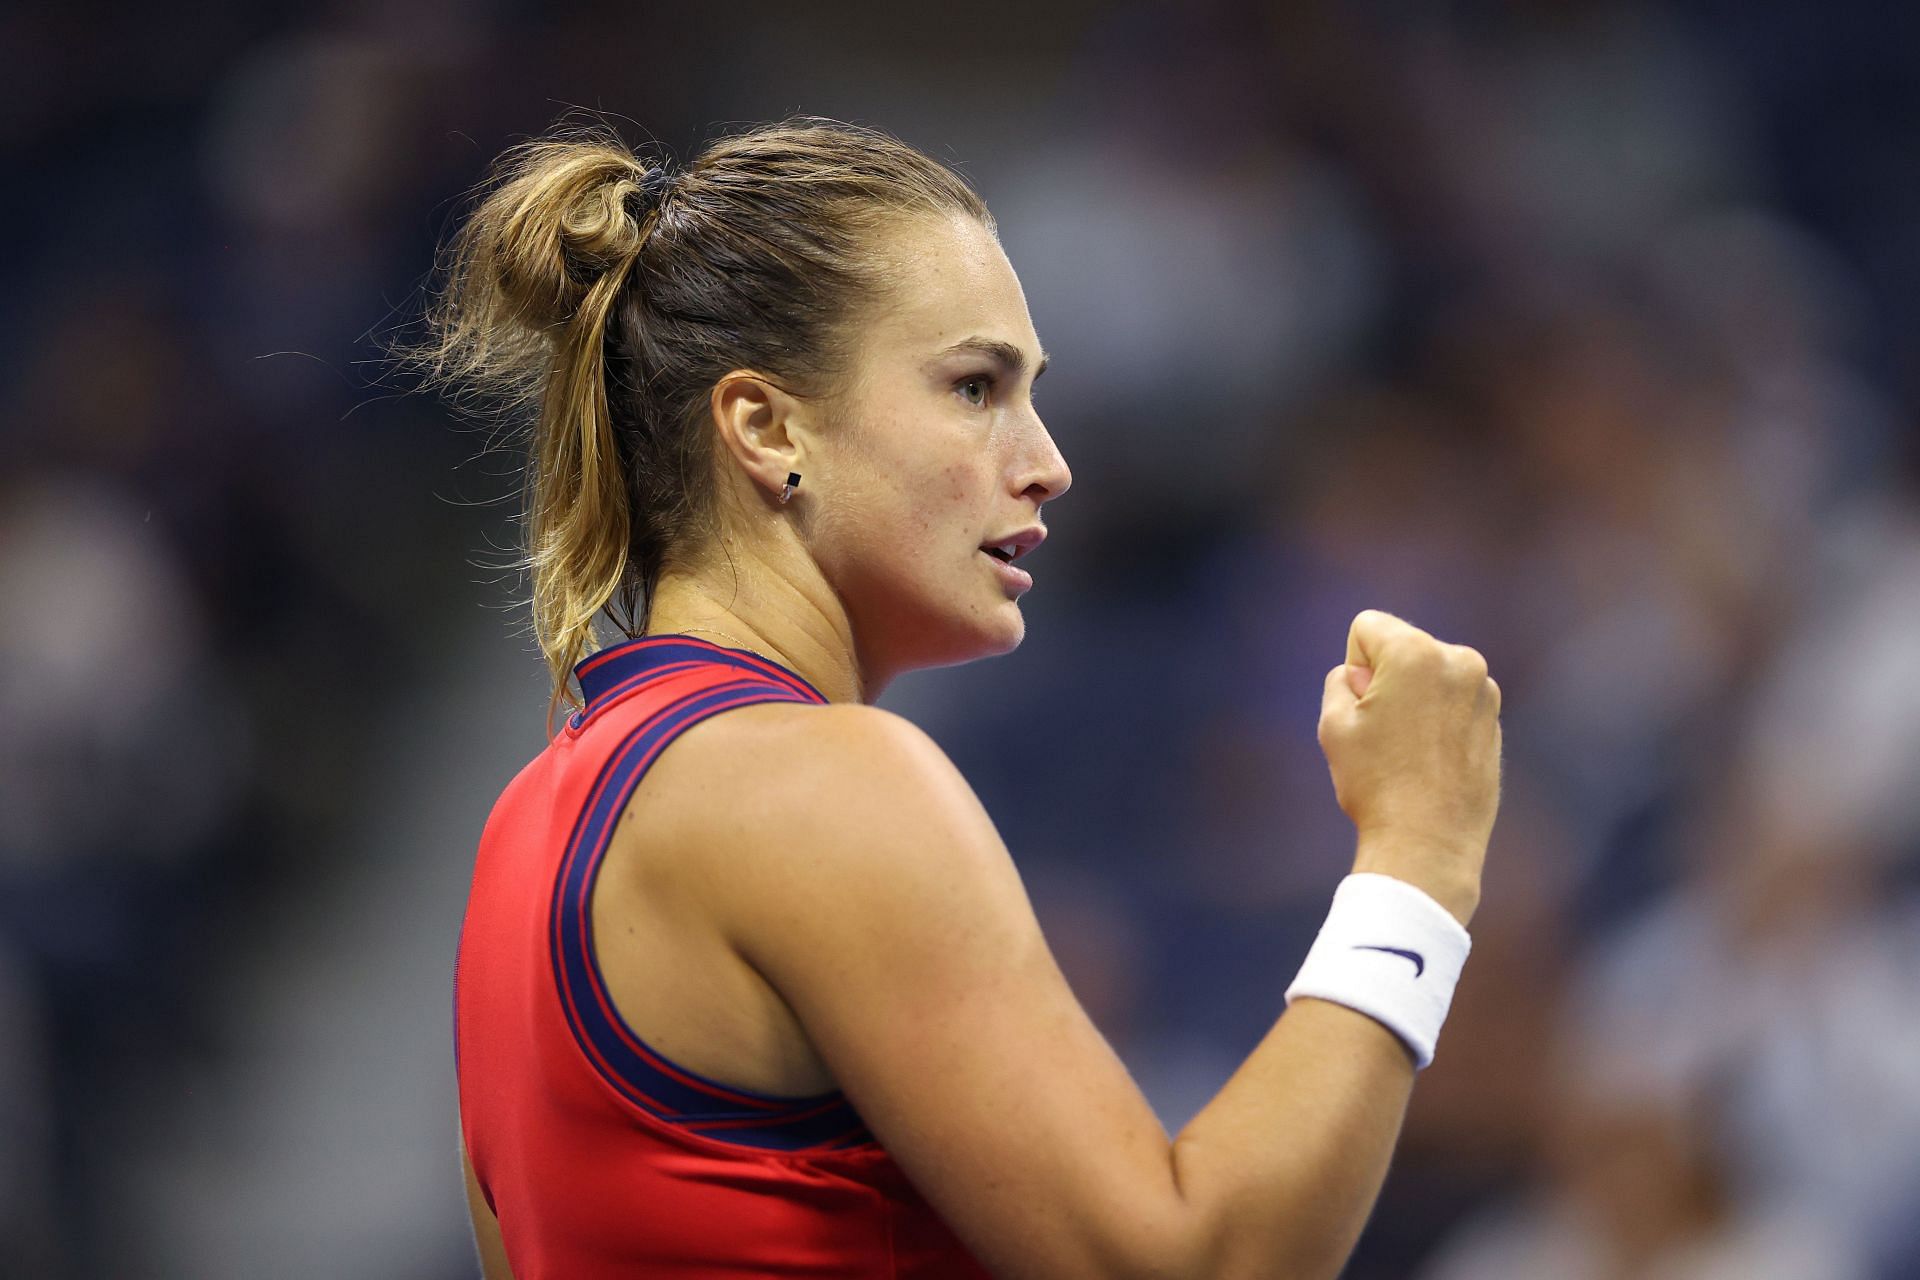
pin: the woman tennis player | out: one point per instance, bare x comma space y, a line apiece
748, 984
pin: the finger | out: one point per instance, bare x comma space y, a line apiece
1368, 634
1337, 694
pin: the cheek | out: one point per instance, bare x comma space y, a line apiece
943, 511
911, 518
964, 484
911, 499
957, 491
914, 486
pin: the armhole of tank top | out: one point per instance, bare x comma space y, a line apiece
644, 1080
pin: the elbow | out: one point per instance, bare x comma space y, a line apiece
1277, 1229
1274, 1242
1266, 1258
1300, 1254
1228, 1232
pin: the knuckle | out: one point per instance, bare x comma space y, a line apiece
1380, 622
1421, 649
1467, 660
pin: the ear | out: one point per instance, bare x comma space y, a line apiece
765, 428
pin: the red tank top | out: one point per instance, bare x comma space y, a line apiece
600, 1157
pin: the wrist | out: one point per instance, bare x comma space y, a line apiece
1449, 875
1390, 951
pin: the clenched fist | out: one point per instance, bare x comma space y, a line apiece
1410, 727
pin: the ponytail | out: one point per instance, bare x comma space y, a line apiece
533, 278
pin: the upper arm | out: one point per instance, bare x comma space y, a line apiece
865, 881
486, 1228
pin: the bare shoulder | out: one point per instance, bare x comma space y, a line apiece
812, 736
843, 809
806, 768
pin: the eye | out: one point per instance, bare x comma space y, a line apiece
975, 390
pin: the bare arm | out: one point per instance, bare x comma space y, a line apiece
866, 882
486, 1228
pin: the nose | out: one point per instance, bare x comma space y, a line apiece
1048, 476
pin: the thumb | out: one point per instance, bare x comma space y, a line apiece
1369, 633
1358, 678
1338, 694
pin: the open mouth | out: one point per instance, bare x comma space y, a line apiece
1005, 552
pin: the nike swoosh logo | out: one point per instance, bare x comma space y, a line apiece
1419, 961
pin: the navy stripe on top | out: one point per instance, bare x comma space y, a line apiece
667, 1091
621, 668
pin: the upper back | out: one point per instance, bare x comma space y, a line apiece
599, 1154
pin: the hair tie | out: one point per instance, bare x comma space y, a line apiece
653, 188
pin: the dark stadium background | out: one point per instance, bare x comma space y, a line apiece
1586, 333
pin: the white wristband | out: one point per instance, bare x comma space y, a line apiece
1391, 952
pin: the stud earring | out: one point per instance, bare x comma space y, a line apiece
793, 482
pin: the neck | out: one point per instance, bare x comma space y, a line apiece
799, 626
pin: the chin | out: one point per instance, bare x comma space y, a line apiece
951, 642
999, 632
1010, 633
909, 623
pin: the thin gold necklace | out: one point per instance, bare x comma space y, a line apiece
724, 636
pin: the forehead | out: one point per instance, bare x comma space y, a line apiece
947, 279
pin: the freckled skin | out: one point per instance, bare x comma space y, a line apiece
914, 475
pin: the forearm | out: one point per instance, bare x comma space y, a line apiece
1279, 1172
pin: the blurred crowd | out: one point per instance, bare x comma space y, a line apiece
1587, 333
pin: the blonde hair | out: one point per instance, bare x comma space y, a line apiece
596, 294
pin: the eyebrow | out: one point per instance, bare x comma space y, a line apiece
1004, 353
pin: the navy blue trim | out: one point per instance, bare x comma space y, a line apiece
607, 673
671, 1093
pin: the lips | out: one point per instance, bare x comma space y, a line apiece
1003, 551
1011, 576
1012, 546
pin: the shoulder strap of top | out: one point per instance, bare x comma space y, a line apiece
644, 1078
